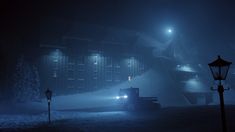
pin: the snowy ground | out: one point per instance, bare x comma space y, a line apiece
172, 119
79, 112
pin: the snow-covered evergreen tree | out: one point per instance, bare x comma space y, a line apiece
35, 96
26, 82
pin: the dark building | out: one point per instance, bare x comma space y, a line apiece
83, 61
84, 57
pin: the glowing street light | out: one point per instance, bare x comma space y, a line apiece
129, 78
117, 97
96, 58
56, 55
169, 31
219, 69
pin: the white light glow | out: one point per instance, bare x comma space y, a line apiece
56, 55
129, 78
169, 31
121, 97
194, 85
96, 58
185, 68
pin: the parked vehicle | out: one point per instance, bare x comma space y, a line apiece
129, 99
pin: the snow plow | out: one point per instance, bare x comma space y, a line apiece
129, 99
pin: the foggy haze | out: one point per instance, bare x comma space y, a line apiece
61, 59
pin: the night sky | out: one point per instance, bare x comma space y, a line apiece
209, 23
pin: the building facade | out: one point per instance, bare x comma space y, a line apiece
80, 66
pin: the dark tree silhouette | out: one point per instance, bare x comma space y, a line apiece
26, 86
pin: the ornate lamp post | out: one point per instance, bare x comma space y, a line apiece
219, 69
48, 94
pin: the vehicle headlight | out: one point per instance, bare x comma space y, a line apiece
125, 96
117, 97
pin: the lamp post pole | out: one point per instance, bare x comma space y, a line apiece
219, 69
49, 111
222, 109
48, 94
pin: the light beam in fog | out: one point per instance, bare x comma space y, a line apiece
185, 68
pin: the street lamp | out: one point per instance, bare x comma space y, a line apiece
219, 69
129, 78
48, 94
169, 31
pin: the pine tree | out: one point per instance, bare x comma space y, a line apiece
35, 88
19, 79
26, 82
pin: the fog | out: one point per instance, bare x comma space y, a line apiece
189, 43
151, 84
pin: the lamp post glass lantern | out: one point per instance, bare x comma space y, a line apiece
48, 94
219, 69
